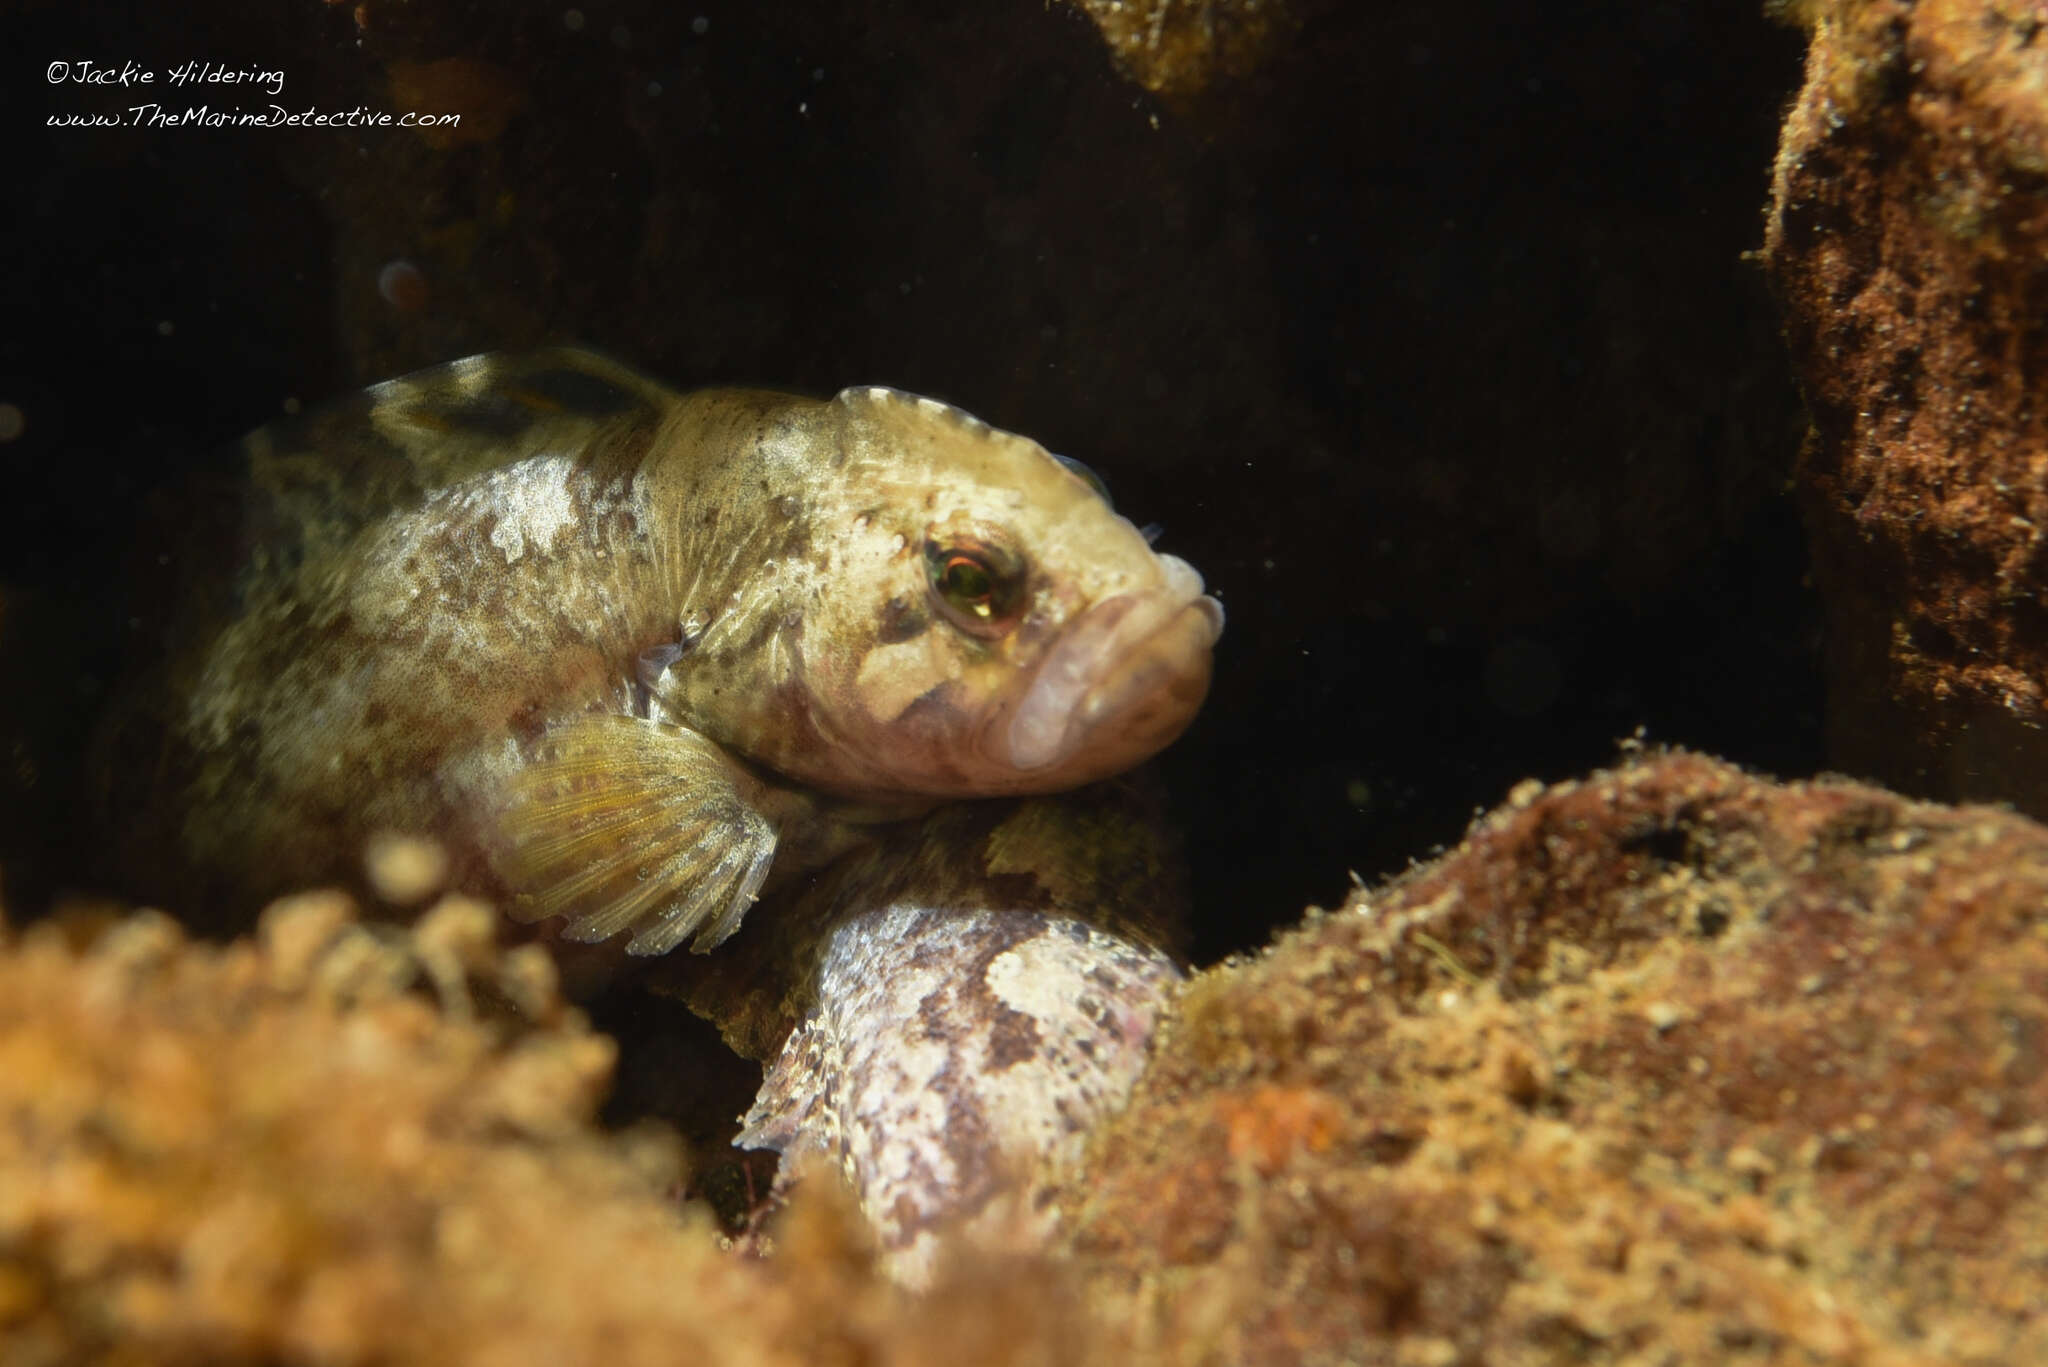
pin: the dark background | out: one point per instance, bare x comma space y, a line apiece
1431, 342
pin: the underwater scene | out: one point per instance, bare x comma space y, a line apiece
1049, 681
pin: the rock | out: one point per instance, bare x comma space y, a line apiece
1909, 218
1671, 1064
259, 1153
1668, 1065
1178, 50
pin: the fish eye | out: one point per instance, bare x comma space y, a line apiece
979, 586
1088, 476
968, 585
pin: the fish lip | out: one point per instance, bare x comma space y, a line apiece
1141, 656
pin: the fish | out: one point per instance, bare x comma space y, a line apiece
635, 656
944, 1015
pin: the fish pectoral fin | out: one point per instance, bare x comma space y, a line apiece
627, 825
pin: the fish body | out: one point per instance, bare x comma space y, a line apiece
945, 1014
634, 654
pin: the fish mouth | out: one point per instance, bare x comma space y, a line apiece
1123, 681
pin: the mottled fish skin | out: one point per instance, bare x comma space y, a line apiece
946, 1014
635, 655
957, 1057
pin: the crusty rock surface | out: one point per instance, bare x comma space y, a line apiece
329, 1145
1668, 1065
1908, 222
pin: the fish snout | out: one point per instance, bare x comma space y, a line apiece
1121, 683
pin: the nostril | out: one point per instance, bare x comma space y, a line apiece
654, 662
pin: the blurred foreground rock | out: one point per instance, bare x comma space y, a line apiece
1907, 230
286, 1150
1669, 1065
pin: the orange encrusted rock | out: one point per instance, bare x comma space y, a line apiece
314, 1146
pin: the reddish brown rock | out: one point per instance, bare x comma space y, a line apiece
1907, 233
1670, 1065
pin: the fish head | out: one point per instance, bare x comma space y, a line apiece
989, 623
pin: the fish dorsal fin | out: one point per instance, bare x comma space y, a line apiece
625, 825
317, 479
495, 394
476, 413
